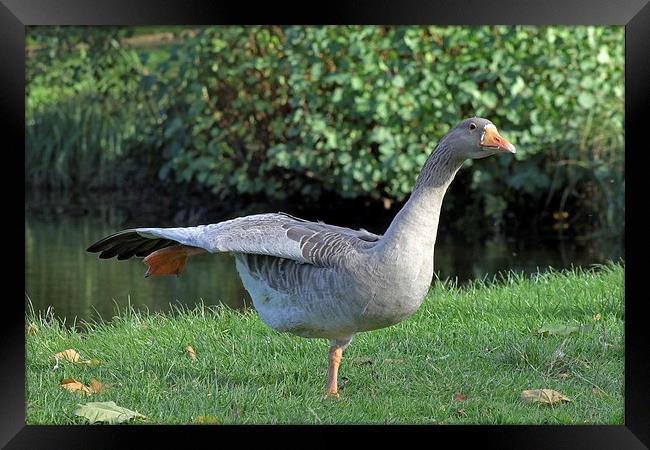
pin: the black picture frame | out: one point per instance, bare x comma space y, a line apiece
15, 15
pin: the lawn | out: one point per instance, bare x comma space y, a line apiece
464, 357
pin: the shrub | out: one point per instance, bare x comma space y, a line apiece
282, 112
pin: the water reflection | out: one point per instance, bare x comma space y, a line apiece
60, 274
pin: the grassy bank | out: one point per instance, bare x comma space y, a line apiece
464, 357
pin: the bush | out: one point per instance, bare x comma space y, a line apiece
282, 112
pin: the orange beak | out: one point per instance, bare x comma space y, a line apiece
492, 139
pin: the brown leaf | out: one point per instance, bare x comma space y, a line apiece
563, 376
69, 355
544, 396
95, 386
190, 352
73, 385
460, 397
73, 356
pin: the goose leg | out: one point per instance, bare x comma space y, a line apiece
335, 355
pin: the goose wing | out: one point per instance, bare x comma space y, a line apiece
277, 234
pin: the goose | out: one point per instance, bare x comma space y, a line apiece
317, 280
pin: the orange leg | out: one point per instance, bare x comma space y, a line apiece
335, 356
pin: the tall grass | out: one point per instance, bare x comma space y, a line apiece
82, 141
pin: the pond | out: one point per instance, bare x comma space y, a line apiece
61, 276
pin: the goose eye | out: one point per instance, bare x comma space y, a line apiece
472, 126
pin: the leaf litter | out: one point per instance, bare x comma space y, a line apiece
548, 396
106, 412
73, 385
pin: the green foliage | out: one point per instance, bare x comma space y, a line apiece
85, 119
279, 112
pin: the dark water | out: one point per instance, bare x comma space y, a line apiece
59, 274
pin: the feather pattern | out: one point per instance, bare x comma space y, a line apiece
280, 235
320, 280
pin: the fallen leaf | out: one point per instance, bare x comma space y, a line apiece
190, 352
563, 376
205, 420
73, 356
95, 385
543, 395
597, 317
73, 385
68, 355
562, 330
460, 397
107, 412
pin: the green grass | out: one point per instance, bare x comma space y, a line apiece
478, 340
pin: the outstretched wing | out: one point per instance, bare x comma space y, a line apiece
280, 235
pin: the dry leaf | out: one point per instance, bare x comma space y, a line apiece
460, 397
73, 385
460, 412
597, 317
68, 355
95, 385
563, 376
544, 396
107, 412
73, 356
190, 352
205, 420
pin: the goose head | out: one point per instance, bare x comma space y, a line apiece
477, 138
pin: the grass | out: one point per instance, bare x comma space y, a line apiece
477, 340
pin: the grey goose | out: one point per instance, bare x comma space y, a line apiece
323, 281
